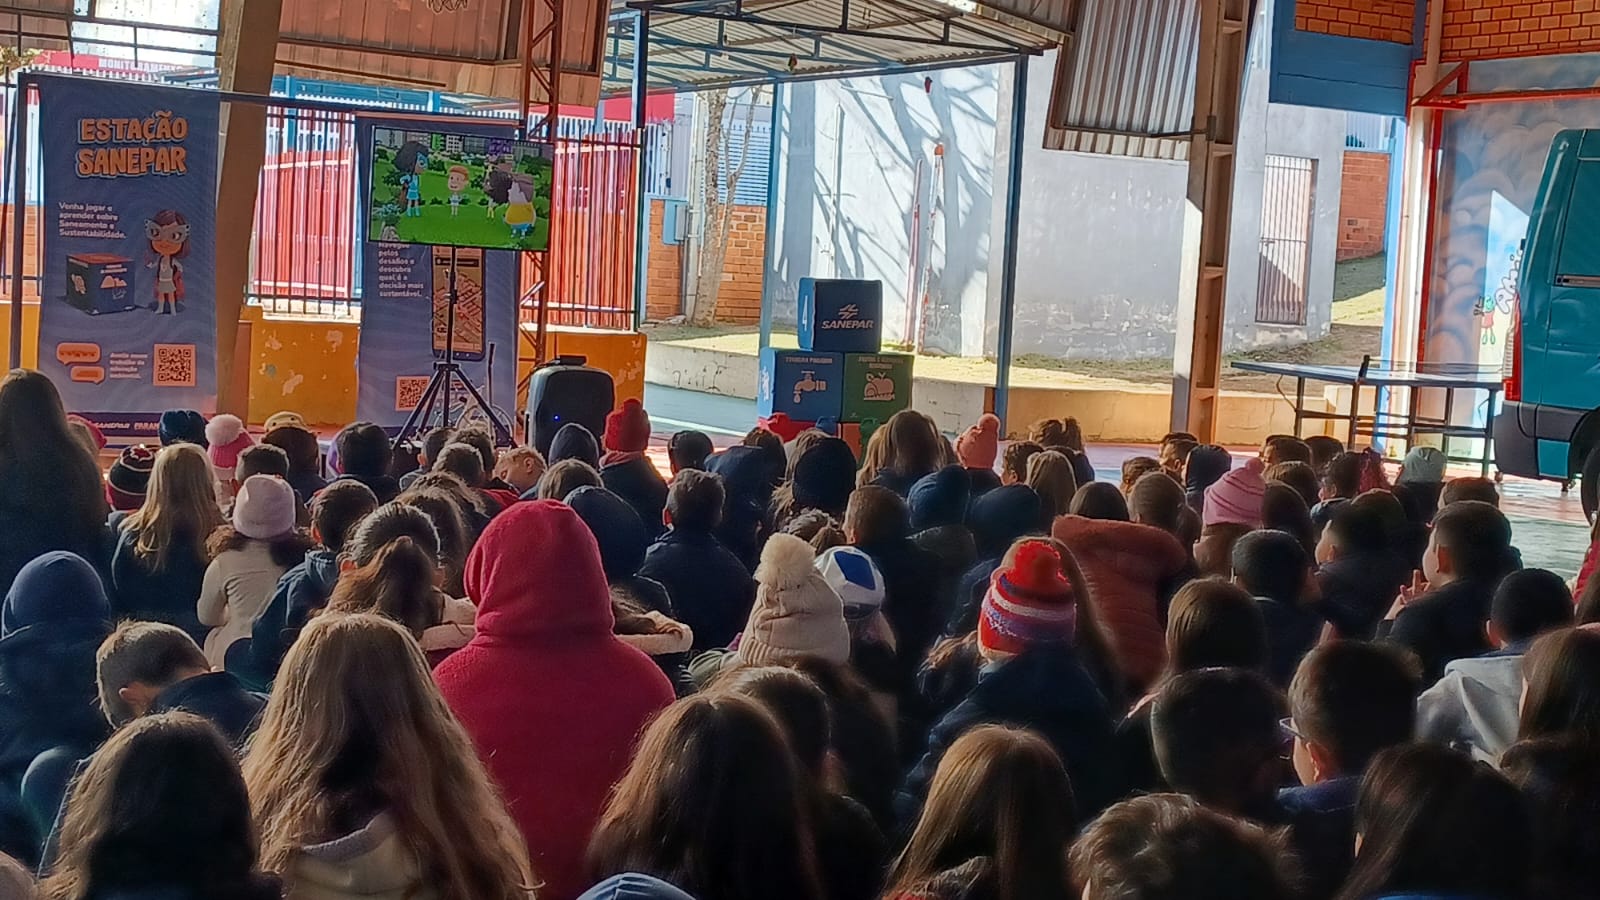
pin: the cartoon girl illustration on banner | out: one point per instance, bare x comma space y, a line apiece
411, 162
168, 232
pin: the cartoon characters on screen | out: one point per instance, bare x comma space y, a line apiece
411, 161
457, 180
515, 190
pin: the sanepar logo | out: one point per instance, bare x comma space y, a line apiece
849, 317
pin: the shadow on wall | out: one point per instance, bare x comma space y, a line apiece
860, 155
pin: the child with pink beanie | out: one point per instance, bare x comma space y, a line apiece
1232, 509
1235, 498
228, 438
249, 555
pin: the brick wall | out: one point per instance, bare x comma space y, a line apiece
739, 297
1488, 29
1363, 204
1377, 20
663, 272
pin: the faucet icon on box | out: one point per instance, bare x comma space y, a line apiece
808, 382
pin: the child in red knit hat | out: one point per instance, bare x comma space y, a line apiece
1029, 603
626, 471
1034, 677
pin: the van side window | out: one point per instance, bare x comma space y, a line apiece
1580, 236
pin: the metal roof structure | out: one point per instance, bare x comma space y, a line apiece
1125, 81
450, 45
454, 46
693, 45
146, 33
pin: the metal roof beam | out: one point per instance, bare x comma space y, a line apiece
814, 55
813, 30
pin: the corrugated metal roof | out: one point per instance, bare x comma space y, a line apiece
475, 31
439, 44
698, 44
1128, 74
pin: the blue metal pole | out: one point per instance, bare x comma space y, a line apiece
641, 92
1013, 224
769, 266
291, 122
1391, 249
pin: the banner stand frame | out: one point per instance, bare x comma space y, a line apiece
446, 370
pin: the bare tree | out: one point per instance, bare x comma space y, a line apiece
717, 201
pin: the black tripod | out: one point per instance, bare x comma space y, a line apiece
444, 371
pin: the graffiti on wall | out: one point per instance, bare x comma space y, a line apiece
1493, 157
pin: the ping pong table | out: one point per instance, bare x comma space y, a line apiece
1413, 379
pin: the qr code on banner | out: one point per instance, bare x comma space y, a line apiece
174, 365
408, 391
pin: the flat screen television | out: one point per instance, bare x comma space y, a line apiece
459, 190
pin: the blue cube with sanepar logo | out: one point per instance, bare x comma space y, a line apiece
840, 316
802, 384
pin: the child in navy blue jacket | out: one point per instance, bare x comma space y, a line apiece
711, 589
147, 668
55, 616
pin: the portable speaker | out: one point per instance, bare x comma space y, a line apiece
567, 390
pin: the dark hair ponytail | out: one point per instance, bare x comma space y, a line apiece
398, 584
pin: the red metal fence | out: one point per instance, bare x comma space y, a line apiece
304, 259
590, 276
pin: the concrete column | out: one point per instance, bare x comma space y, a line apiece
247, 49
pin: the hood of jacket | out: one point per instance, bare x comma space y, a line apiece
1207, 464
940, 499
669, 636
371, 862
1142, 554
322, 569
385, 487
55, 591
634, 886
825, 475
749, 474
536, 573
616, 528
574, 441
1001, 516
456, 627
953, 544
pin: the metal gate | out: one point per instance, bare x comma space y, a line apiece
1286, 204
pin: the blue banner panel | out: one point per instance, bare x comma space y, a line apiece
404, 308
127, 318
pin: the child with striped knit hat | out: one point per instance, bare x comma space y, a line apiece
1033, 677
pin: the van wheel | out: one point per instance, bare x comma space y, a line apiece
1589, 489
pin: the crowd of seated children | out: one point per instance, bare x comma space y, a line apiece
459, 672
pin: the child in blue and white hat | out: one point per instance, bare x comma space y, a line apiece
856, 579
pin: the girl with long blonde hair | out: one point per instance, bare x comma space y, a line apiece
1051, 477
160, 559
903, 450
999, 819
363, 782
